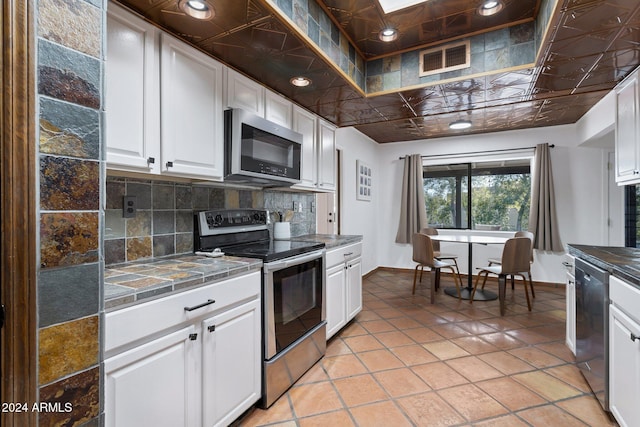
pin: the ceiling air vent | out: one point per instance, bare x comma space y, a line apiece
454, 56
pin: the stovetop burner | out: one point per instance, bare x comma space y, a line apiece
273, 250
244, 233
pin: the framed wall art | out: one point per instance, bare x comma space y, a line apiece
363, 184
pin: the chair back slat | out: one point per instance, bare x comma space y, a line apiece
516, 255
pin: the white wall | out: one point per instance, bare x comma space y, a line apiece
580, 177
358, 216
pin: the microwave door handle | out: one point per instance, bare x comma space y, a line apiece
289, 262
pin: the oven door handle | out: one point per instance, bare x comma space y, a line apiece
290, 262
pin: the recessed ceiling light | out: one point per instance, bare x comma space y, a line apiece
199, 9
460, 124
490, 7
388, 34
300, 81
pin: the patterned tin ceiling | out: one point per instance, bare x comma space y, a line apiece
590, 46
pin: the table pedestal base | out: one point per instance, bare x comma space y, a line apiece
465, 293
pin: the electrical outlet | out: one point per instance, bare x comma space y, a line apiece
130, 206
297, 206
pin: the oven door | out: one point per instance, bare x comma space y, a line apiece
294, 300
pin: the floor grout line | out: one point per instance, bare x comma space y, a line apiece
527, 338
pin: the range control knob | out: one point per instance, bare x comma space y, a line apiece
218, 219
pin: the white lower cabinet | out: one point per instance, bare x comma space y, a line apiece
336, 297
153, 384
354, 287
190, 359
231, 378
343, 286
624, 353
571, 313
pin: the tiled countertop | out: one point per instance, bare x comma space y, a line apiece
130, 283
621, 262
135, 282
331, 241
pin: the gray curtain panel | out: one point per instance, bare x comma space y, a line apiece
413, 214
543, 221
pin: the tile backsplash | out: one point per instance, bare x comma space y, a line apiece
163, 223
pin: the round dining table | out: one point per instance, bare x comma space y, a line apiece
471, 238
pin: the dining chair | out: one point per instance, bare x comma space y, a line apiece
437, 254
530, 236
423, 255
515, 261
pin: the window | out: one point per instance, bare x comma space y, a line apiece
497, 199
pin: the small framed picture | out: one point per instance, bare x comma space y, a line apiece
363, 181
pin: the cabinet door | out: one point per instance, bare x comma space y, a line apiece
304, 122
154, 384
627, 132
354, 287
191, 103
132, 106
336, 294
277, 109
326, 156
624, 367
571, 313
231, 364
244, 93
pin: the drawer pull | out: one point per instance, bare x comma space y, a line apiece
193, 337
634, 337
204, 304
211, 328
349, 254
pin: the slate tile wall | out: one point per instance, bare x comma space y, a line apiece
69, 73
163, 224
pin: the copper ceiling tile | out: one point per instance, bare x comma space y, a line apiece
593, 45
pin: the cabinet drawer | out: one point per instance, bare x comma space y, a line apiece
132, 324
625, 296
343, 253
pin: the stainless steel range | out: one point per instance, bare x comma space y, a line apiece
293, 325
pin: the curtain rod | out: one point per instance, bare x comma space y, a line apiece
477, 152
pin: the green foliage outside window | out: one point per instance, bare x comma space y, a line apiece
500, 196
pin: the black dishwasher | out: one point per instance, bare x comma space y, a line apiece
592, 328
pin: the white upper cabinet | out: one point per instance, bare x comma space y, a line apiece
244, 93
627, 132
305, 123
317, 171
251, 96
278, 109
191, 105
326, 156
132, 100
163, 102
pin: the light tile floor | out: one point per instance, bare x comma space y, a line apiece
406, 362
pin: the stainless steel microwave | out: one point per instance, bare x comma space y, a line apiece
260, 152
